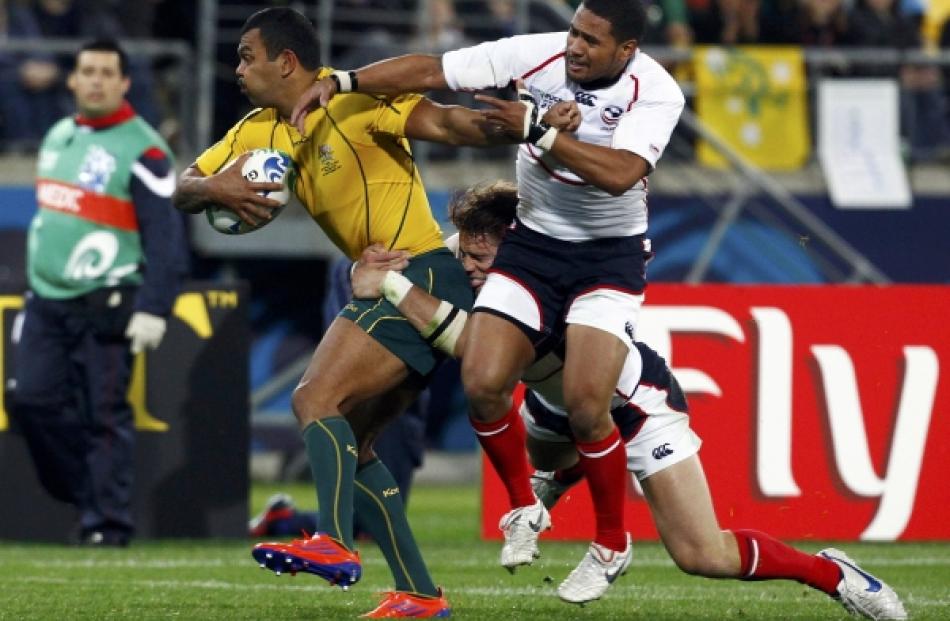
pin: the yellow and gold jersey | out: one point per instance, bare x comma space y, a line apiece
355, 172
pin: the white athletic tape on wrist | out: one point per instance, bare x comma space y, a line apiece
395, 287
440, 314
547, 140
536, 131
446, 336
344, 80
530, 117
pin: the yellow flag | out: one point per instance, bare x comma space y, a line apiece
754, 98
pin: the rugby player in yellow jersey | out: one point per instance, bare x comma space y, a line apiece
358, 180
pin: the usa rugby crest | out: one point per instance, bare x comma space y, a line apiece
611, 114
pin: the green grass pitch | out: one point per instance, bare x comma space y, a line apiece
219, 579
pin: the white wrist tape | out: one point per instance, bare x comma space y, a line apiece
530, 116
344, 80
440, 315
536, 131
546, 141
395, 287
445, 328
449, 338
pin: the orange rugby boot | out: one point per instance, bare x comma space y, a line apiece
320, 555
403, 605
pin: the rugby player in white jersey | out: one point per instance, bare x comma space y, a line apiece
577, 251
650, 410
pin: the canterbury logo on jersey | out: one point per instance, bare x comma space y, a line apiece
585, 99
662, 451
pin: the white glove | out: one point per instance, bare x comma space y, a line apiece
145, 330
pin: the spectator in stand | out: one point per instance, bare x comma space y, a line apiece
944, 42
667, 23
725, 22
29, 82
93, 19
358, 23
882, 24
817, 23
878, 23
488, 19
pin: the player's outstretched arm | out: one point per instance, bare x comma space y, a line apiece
227, 188
413, 73
455, 125
613, 170
463, 126
441, 323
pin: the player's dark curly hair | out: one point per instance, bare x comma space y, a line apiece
486, 209
627, 17
283, 28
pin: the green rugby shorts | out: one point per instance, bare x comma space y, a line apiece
437, 272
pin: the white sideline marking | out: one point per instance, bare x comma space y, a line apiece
657, 593
131, 563
173, 563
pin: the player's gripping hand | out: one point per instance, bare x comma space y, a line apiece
367, 274
228, 188
317, 96
563, 116
519, 119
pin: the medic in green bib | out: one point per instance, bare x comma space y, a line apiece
105, 259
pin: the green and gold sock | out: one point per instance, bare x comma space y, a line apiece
381, 513
332, 452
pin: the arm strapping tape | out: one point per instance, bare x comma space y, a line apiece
536, 131
395, 287
346, 81
445, 328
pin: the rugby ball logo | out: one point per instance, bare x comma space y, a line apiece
265, 165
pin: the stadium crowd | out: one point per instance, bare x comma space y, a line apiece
33, 82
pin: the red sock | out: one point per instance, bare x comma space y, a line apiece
605, 465
763, 557
503, 442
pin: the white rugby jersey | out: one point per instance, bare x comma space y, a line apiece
637, 113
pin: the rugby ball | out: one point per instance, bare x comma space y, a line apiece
263, 165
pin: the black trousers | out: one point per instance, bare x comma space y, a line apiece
73, 367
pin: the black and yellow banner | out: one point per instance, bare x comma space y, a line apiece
192, 410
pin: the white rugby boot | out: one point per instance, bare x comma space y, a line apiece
861, 593
597, 571
522, 526
548, 489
